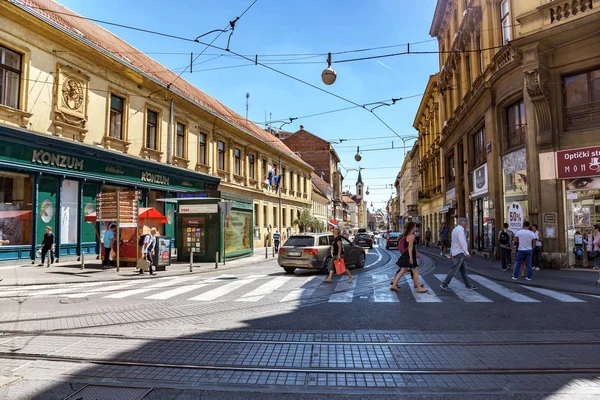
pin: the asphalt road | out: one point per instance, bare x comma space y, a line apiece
264, 300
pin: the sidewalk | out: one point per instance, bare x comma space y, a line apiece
71, 272
575, 281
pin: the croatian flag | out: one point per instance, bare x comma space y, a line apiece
270, 176
277, 180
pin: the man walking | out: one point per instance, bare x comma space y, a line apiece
109, 238
526, 239
276, 239
48, 245
427, 237
444, 238
505, 240
459, 253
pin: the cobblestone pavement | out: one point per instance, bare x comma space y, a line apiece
276, 361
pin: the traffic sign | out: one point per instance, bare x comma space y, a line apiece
225, 207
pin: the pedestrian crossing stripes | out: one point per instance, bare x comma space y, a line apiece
374, 288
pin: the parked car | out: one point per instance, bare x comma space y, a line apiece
313, 251
391, 242
363, 239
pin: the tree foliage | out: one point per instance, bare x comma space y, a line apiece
306, 222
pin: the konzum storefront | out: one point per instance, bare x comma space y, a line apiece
579, 170
49, 181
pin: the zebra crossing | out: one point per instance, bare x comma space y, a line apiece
292, 288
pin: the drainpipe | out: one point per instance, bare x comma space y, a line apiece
170, 133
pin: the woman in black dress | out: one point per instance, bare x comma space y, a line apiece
408, 260
337, 252
48, 245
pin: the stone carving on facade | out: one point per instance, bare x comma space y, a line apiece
70, 102
537, 88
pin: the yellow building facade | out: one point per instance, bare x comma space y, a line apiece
72, 84
427, 123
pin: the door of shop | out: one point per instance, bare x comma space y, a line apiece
477, 231
583, 212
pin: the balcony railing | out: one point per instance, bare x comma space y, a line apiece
517, 137
581, 115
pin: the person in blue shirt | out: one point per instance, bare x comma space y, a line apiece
109, 239
276, 239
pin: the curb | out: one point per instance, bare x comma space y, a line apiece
145, 276
519, 282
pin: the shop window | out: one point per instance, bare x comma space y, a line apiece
275, 217
256, 215
237, 164
516, 124
180, 141
10, 77
151, 130
505, 21
251, 165
221, 148
202, 149
69, 211
284, 217
15, 209
117, 105
582, 99
479, 154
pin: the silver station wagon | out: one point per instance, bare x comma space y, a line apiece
313, 251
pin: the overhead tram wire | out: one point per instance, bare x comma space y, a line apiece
229, 27
252, 55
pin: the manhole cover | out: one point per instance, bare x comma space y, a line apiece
95, 392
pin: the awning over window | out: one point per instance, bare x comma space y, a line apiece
446, 208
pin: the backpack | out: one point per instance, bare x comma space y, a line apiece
504, 238
402, 244
142, 239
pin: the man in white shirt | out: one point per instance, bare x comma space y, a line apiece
459, 252
526, 239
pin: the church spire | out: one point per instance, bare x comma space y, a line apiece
359, 178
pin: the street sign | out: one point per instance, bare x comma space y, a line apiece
225, 207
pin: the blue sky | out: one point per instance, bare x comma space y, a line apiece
298, 27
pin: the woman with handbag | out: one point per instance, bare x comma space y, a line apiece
407, 260
597, 250
337, 253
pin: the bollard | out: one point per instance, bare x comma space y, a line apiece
273, 251
266, 252
191, 259
82, 260
217, 260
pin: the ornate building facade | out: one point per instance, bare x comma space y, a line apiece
427, 123
519, 117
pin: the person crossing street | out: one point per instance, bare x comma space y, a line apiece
276, 240
459, 252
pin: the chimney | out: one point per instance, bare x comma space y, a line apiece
301, 127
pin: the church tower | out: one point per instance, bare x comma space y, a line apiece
359, 186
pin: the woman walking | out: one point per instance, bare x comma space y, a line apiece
408, 260
597, 250
337, 253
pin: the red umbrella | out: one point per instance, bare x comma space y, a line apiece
144, 213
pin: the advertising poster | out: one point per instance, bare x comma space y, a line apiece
88, 205
164, 250
516, 217
46, 206
193, 229
238, 232
581, 216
